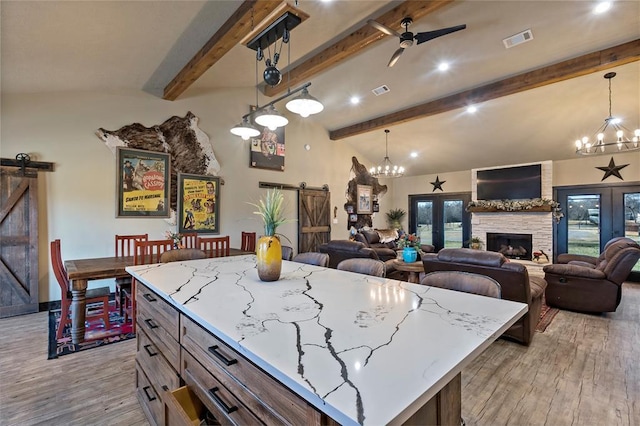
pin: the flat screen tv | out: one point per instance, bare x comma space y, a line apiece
510, 183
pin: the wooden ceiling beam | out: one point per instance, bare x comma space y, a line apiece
354, 43
238, 26
575, 67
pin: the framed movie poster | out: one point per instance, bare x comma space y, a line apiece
267, 150
364, 199
143, 183
198, 203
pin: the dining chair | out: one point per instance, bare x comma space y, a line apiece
94, 295
189, 239
287, 253
214, 246
365, 266
467, 282
145, 253
248, 242
124, 246
312, 258
182, 254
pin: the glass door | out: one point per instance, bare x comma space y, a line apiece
440, 220
593, 215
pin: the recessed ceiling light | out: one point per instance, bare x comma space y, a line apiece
414, 154
354, 100
601, 7
443, 66
471, 109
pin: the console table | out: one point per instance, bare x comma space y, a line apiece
316, 347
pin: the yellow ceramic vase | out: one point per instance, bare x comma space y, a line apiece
269, 258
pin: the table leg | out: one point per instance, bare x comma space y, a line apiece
414, 277
78, 310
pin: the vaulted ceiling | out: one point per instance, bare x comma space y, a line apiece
533, 99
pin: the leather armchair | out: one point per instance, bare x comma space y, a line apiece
579, 286
585, 260
514, 280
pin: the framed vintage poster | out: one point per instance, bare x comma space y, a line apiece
198, 203
267, 150
143, 182
364, 199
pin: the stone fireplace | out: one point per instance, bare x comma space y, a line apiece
513, 246
539, 225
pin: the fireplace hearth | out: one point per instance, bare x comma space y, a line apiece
513, 246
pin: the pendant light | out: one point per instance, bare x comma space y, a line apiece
245, 130
304, 104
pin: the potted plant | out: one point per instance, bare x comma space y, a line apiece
268, 247
475, 243
410, 244
394, 218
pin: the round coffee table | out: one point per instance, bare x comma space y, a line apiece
413, 269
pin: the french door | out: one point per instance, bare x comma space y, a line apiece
440, 220
593, 215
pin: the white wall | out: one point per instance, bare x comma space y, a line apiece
77, 200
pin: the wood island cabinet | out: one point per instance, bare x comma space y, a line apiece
173, 351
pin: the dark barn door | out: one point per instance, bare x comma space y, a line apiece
313, 219
18, 243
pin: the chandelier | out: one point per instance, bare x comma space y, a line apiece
267, 115
611, 134
386, 169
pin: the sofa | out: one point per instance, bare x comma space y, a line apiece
514, 280
592, 285
384, 239
339, 250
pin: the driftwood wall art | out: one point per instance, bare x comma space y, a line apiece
190, 147
361, 176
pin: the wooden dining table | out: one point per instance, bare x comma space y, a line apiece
81, 271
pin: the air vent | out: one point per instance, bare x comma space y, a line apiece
381, 90
517, 39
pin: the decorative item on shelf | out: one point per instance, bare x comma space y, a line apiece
176, 237
394, 218
386, 169
532, 205
475, 243
538, 255
268, 248
611, 134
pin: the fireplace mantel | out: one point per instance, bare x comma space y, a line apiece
538, 209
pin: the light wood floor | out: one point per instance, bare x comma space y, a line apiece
583, 370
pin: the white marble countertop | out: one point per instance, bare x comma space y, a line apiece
364, 350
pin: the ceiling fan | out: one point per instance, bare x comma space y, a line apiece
406, 38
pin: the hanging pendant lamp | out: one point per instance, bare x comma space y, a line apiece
245, 130
271, 118
304, 104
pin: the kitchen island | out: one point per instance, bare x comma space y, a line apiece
360, 349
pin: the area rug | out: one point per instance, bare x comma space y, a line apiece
95, 335
547, 314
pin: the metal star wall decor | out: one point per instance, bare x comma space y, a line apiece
437, 184
612, 170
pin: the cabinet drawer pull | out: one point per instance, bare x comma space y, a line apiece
150, 323
146, 348
146, 392
214, 350
149, 297
220, 402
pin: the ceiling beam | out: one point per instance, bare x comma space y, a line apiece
576, 67
354, 43
239, 24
